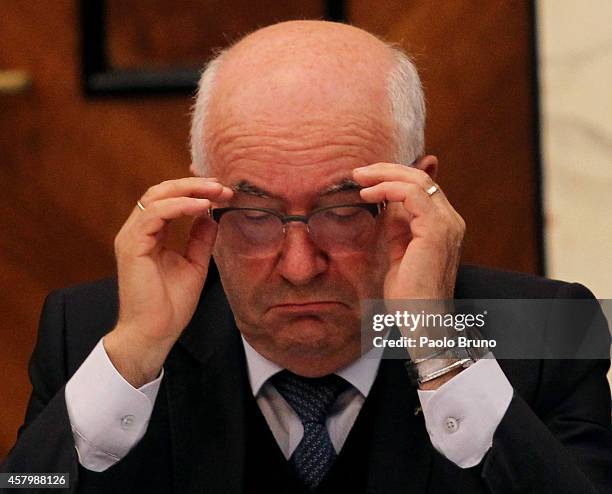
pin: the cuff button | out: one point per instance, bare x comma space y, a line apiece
451, 425
127, 421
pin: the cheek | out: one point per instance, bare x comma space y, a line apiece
241, 278
364, 271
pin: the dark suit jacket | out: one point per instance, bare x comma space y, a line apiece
555, 436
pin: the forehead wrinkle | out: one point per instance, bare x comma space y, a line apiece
359, 124
261, 142
306, 157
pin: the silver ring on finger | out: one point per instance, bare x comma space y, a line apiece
432, 190
140, 206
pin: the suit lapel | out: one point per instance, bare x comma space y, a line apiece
206, 382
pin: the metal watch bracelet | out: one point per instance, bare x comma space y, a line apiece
443, 361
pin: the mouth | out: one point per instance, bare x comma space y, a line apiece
307, 308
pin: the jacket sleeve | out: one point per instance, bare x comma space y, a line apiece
45, 442
71, 323
562, 443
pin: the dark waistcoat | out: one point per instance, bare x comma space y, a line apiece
268, 471
387, 439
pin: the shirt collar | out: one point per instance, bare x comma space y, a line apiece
360, 373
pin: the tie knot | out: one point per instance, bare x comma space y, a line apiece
310, 397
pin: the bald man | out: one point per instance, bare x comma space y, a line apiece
312, 192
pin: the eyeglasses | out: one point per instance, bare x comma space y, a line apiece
259, 232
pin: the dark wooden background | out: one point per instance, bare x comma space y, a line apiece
71, 168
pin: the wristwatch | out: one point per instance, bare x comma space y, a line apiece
445, 360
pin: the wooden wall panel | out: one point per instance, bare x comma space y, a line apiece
475, 60
146, 32
71, 168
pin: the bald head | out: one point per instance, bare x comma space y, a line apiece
305, 66
297, 73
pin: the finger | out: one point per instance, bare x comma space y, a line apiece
151, 221
200, 244
189, 187
388, 172
414, 198
379, 172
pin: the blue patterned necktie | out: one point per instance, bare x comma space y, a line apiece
311, 399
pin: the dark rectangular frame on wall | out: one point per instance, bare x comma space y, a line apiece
99, 77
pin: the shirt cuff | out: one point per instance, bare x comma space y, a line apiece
107, 414
462, 415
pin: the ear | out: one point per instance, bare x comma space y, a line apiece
429, 164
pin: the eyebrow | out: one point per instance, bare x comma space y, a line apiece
247, 187
344, 185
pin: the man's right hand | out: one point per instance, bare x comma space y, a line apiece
159, 288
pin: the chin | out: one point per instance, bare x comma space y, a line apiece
307, 334
309, 345
314, 348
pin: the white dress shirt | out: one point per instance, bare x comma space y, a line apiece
109, 416
284, 423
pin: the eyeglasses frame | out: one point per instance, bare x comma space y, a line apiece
373, 208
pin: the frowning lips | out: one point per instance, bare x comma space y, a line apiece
314, 306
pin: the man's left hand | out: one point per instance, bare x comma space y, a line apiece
425, 231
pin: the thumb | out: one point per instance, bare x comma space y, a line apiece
201, 241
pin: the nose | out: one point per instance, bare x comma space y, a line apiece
301, 260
